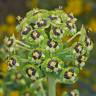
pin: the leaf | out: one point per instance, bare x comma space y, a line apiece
83, 34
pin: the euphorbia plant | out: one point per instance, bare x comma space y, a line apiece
50, 47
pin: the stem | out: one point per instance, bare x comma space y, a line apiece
42, 89
23, 47
21, 43
52, 86
73, 37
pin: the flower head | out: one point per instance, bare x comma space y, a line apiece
41, 50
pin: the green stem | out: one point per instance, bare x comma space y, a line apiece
73, 37
23, 47
51, 86
21, 43
42, 89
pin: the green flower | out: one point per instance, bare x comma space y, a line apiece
53, 65
70, 75
12, 63
81, 59
26, 30
32, 73
52, 45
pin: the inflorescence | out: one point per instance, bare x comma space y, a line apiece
41, 50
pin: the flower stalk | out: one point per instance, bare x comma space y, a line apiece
51, 86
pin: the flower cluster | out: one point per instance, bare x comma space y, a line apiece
41, 50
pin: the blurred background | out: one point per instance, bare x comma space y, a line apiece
84, 10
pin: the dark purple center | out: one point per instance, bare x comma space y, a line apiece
26, 31
41, 23
52, 44
57, 31
36, 54
35, 35
50, 66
